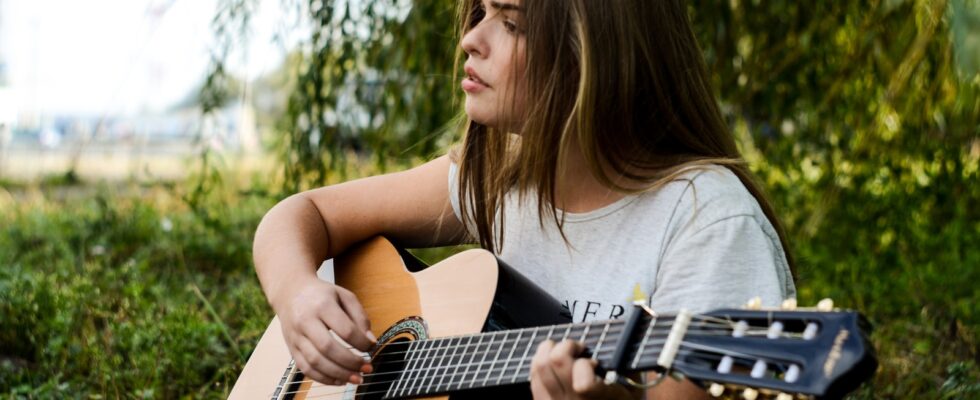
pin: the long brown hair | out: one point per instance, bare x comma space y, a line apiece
626, 79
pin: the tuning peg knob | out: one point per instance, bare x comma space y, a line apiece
784, 396
716, 390
754, 304
750, 394
825, 305
789, 304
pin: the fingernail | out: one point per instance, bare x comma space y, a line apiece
367, 368
371, 337
356, 379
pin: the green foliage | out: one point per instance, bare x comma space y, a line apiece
376, 78
230, 25
865, 131
129, 295
962, 382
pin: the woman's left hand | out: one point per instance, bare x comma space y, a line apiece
557, 374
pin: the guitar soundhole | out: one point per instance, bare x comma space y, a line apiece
388, 364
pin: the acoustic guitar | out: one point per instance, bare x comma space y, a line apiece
468, 327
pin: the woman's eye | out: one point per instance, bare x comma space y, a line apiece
511, 26
477, 15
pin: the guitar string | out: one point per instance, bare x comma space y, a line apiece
444, 356
433, 354
668, 320
458, 384
520, 374
505, 364
721, 324
344, 391
446, 340
588, 343
507, 342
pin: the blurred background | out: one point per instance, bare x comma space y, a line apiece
142, 141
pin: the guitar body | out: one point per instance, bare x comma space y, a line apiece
468, 293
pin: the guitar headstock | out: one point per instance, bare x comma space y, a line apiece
784, 353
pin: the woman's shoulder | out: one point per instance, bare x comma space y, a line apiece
708, 194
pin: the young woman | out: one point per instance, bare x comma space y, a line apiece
595, 161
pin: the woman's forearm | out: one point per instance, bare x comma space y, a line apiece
290, 243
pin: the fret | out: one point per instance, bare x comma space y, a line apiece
401, 375
568, 330
425, 366
459, 353
646, 336
551, 331
574, 332
598, 345
409, 370
585, 333
500, 348
402, 378
503, 370
479, 365
465, 359
469, 361
446, 361
437, 360
524, 356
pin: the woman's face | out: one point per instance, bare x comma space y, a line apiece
495, 65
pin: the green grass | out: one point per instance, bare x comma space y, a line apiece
110, 295
148, 292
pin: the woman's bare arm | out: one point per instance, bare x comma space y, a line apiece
300, 232
410, 207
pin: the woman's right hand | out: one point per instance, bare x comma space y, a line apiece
308, 312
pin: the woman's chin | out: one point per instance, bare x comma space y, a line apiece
479, 115
487, 117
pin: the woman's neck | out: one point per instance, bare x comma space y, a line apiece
578, 190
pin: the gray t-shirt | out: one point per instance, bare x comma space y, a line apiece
700, 242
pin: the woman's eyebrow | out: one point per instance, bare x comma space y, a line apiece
505, 6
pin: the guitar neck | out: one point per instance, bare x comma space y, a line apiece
504, 358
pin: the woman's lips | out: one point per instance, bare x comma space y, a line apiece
471, 85
472, 82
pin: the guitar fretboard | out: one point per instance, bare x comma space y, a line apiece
498, 358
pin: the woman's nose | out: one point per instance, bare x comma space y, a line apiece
474, 44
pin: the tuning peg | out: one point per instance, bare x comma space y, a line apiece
754, 304
811, 331
789, 304
792, 373
774, 330
784, 396
716, 390
750, 394
825, 305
